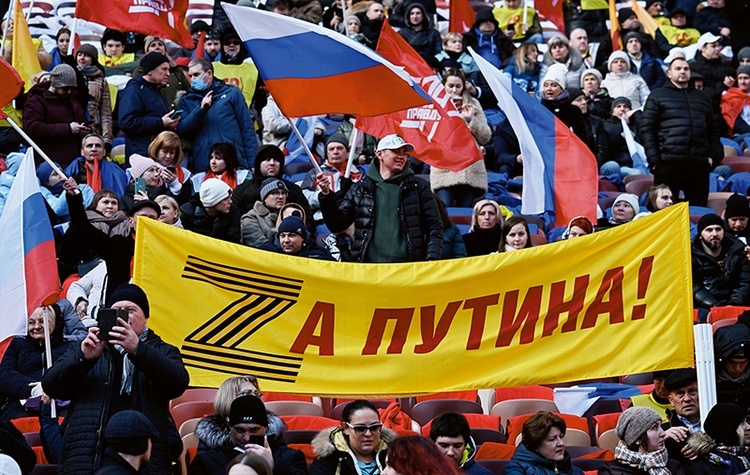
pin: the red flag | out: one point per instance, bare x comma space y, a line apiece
200, 48
551, 10
440, 135
462, 16
162, 18
614, 31
12, 84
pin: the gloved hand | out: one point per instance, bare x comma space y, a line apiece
36, 389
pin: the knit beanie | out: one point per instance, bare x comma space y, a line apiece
651, 2
152, 61
744, 53
43, 172
89, 50
150, 39
293, 224
248, 410
624, 14
63, 75
635, 422
131, 293
266, 152
139, 164
338, 138
269, 185
707, 220
630, 199
593, 71
213, 191
615, 55
736, 206
574, 93
722, 423
129, 431
744, 69
556, 73
621, 100
632, 34
199, 25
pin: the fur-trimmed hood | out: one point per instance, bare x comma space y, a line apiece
701, 443
213, 430
331, 440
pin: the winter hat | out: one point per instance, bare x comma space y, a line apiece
229, 33
615, 55
630, 199
744, 69
621, 100
651, 2
139, 164
722, 422
707, 220
624, 14
63, 75
680, 378
213, 191
199, 25
736, 205
634, 422
744, 53
632, 34
89, 50
139, 205
486, 15
574, 92
266, 152
338, 138
129, 431
43, 172
152, 61
150, 39
293, 224
131, 293
269, 185
593, 71
556, 73
677, 11
248, 410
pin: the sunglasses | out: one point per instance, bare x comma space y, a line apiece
250, 392
232, 42
359, 430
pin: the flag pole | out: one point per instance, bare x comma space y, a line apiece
352, 151
28, 13
71, 43
11, 10
304, 145
35, 146
525, 13
48, 353
343, 14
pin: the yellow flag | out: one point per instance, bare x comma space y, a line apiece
244, 76
594, 4
613, 303
25, 60
649, 23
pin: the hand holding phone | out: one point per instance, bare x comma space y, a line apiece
176, 114
140, 186
107, 319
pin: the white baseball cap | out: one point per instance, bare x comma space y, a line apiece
707, 38
394, 142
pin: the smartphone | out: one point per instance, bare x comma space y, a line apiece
107, 318
176, 114
257, 440
140, 185
172, 169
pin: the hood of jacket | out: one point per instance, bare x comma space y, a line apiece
425, 15
329, 441
213, 430
13, 162
729, 339
701, 443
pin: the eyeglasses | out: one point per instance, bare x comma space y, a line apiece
251, 392
232, 42
360, 430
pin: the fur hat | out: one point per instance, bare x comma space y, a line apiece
269, 185
615, 55
213, 191
293, 224
131, 293
594, 72
248, 410
634, 422
556, 73
152, 61
680, 378
139, 164
707, 220
129, 431
630, 199
722, 423
63, 75
736, 206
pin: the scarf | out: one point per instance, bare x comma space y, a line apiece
126, 385
229, 179
180, 173
94, 178
655, 463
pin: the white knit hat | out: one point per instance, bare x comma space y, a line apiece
618, 55
213, 191
139, 164
630, 199
556, 73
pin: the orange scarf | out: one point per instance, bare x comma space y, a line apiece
229, 179
94, 179
180, 174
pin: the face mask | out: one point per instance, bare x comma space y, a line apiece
199, 84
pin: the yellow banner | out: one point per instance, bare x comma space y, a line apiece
649, 23
612, 303
24, 59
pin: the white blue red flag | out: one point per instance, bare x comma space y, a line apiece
28, 266
312, 70
560, 176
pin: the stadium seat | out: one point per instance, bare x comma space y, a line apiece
630, 178
188, 427
425, 411
639, 187
189, 449
517, 407
476, 421
608, 440
722, 323
495, 451
191, 410
495, 466
523, 392
605, 422
515, 424
301, 440
737, 164
482, 436
194, 394
317, 423
606, 201
730, 151
460, 219
746, 152
606, 185
573, 437
717, 201
338, 410
287, 408
722, 313
538, 239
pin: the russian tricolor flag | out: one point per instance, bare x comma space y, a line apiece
312, 70
28, 266
560, 176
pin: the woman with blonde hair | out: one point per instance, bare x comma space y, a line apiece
166, 150
486, 233
170, 210
525, 67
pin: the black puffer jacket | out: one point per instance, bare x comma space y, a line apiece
721, 281
618, 148
678, 127
420, 223
93, 386
727, 341
425, 41
225, 226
